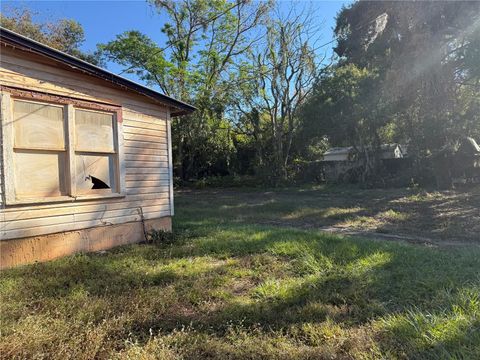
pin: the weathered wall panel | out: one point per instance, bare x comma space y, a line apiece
147, 173
49, 247
2, 187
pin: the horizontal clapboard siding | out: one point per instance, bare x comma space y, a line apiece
146, 155
1, 169
24, 73
78, 225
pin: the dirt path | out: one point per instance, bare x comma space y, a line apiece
420, 240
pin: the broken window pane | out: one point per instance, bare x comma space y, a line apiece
39, 173
95, 173
38, 126
94, 131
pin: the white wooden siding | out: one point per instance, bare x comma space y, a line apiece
2, 183
147, 174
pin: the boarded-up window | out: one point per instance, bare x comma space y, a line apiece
94, 131
38, 126
94, 173
59, 151
95, 152
39, 150
39, 173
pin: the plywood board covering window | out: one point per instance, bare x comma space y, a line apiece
58, 152
94, 131
38, 126
94, 152
95, 173
39, 174
39, 150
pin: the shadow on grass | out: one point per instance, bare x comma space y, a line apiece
295, 277
353, 282
451, 216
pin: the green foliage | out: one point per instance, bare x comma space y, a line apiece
346, 109
283, 69
338, 107
421, 84
215, 59
197, 64
161, 237
139, 54
64, 34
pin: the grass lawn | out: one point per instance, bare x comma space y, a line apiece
447, 217
234, 284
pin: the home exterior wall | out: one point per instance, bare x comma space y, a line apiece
52, 246
147, 159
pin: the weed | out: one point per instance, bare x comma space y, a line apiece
161, 237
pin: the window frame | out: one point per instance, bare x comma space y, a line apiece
9, 95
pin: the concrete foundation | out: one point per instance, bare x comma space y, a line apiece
48, 247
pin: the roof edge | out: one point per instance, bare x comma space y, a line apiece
179, 107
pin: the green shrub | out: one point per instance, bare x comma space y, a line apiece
161, 237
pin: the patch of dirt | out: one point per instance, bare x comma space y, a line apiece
420, 240
242, 286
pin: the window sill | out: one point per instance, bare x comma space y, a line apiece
99, 196
63, 199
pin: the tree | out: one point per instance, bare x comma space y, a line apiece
64, 34
334, 108
345, 110
197, 64
423, 56
422, 52
282, 71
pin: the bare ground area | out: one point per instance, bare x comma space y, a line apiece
439, 218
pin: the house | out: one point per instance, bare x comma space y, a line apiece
341, 162
339, 154
86, 157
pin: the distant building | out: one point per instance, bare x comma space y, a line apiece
339, 163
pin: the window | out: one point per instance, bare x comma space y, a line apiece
60, 149
39, 152
94, 152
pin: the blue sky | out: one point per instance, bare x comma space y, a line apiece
103, 20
